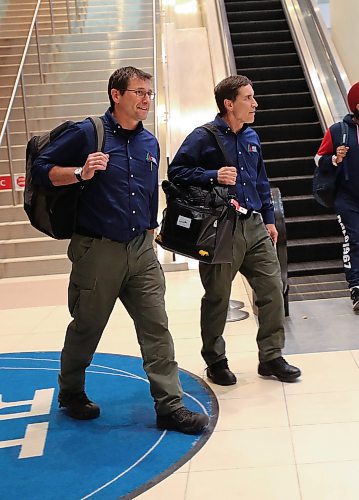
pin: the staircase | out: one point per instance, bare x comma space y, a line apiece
90, 40
290, 132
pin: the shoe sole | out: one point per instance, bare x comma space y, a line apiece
356, 307
292, 378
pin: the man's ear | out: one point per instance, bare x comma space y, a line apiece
115, 94
228, 104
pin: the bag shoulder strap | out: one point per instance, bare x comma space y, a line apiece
344, 132
99, 131
212, 129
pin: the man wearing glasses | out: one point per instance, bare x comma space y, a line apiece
111, 250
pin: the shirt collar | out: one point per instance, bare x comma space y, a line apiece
223, 126
116, 126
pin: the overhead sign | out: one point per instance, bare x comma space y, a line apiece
46, 454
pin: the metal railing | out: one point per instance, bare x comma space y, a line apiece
226, 38
19, 80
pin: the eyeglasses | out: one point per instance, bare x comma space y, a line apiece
142, 93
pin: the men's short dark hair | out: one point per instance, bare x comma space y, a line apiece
228, 89
120, 78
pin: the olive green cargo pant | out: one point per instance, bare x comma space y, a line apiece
102, 271
255, 257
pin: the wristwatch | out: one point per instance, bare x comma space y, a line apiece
78, 172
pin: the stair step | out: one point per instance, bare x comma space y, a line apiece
34, 266
31, 247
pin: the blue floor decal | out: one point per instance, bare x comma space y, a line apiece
45, 454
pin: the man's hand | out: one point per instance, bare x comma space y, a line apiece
227, 176
341, 153
94, 162
273, 233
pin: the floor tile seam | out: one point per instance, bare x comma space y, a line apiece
353, 357
269, 427
292, 442
250, 467
297, 426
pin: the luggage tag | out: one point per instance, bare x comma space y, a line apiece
238, 208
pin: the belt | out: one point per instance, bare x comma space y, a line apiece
85, 232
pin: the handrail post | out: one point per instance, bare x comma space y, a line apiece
11, 167
39, 53
24, 103
52, 17
68, 15
154, 31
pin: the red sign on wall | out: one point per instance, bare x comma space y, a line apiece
5, 182
19, 181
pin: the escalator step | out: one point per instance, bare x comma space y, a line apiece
282, 149
271, 73
285, 100
287, 131
258, 26
279, 167
296, 269
272, 60
261, 37
255, 15
289, 115
263, 48
280, 86
233, 6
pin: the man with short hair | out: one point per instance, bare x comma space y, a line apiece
111, 249
199, 162
334, 155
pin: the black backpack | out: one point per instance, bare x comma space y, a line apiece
325, 181
53, 210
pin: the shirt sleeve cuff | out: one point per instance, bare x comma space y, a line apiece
209, 177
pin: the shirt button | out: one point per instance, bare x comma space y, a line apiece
239, 153
133, 229
247, 199
131, 175
133, 211
241, 168
133, 194
244, 183
130, 157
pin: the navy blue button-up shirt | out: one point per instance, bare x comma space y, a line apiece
122, 201
198, 159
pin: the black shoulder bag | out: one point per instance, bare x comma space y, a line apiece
199, 223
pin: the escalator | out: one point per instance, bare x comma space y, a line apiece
290, 131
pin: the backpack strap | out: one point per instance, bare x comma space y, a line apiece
344, 129
212, 129
99, 131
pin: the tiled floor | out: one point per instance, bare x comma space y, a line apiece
273, 441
